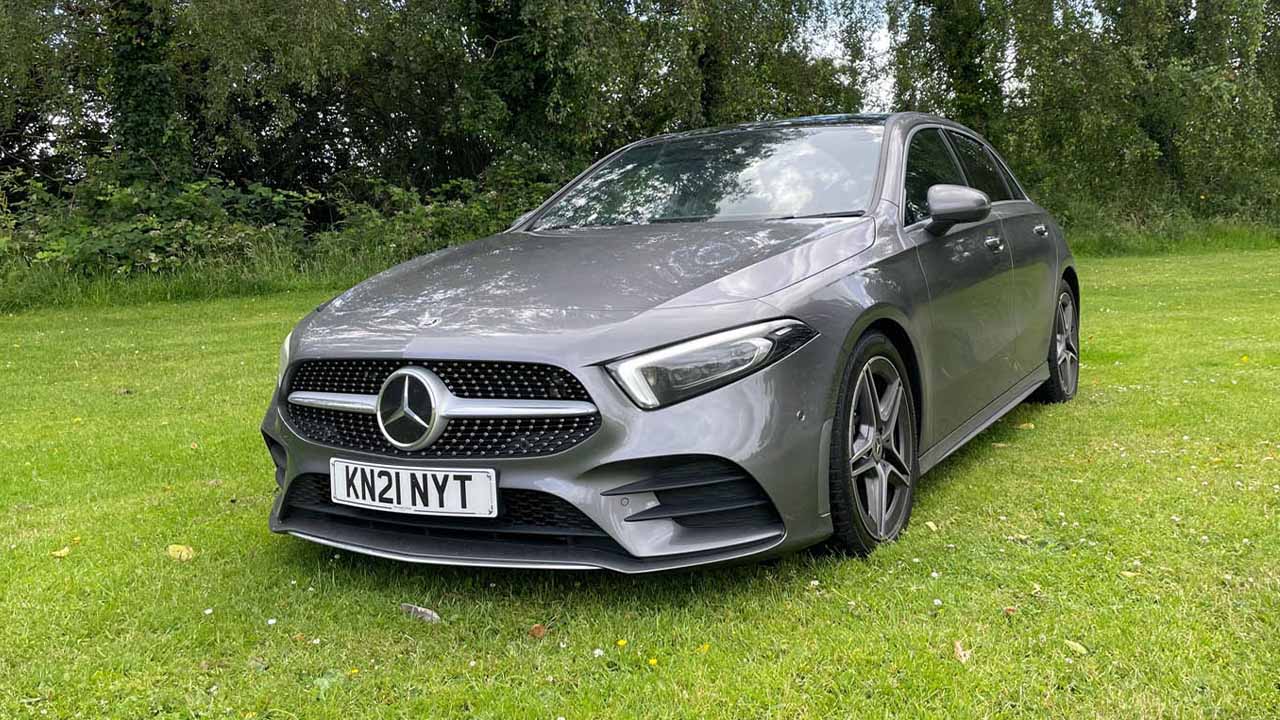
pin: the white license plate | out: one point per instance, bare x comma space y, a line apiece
419, 490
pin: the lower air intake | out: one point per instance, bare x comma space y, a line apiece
704, 492
524, 516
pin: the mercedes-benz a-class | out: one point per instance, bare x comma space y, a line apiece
710, 346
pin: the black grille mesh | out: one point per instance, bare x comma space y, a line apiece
462, 437
519, 511
464, 378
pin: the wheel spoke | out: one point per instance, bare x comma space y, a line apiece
867, 397
877, 492
858, 468
895, 467
889, 406
860, 459
862, 427
866, 435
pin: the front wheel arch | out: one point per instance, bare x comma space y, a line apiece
852, 474
886, 321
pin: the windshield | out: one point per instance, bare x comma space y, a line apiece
733, 175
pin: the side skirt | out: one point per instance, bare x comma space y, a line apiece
984, 418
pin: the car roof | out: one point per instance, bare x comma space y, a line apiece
906, 119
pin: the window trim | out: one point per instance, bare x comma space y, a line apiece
902, 184
1008, 173
906, 156
1003, 166
996, 165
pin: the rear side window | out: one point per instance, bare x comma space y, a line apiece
929, 163
1014, 191
983, 171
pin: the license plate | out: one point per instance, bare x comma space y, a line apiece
421, 491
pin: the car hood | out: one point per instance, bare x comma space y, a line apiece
539, 283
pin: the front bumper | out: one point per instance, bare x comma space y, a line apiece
772, 425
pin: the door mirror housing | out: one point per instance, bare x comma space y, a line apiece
954, 204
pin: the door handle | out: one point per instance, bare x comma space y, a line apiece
994, 243
1041, 230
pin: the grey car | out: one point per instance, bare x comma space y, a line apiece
710, 346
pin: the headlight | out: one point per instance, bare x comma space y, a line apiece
284, 358
681, 371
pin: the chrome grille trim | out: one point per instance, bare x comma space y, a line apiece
451, 407
346, 402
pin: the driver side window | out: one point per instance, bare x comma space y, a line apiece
929, 163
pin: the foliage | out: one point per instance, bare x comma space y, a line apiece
151, 143
143, 226
1135, 108
386, 220
134, 134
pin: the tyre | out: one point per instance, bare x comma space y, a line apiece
873, 450
1064, 350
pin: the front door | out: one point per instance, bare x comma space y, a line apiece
969, 273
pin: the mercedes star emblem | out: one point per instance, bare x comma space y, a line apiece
407, 408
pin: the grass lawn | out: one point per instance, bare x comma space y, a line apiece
1115, 557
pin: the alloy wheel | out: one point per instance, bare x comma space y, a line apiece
1067, 341
881, 448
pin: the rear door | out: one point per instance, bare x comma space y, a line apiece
1026, 232
969, 274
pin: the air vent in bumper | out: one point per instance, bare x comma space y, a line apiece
704, 493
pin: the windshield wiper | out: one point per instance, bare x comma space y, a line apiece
689, 218
573, 226
835, 214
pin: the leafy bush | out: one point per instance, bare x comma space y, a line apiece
394, 223
100, 239
101, 225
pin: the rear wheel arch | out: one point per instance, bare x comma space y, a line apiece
1069, 275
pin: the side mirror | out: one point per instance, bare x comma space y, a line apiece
954, 204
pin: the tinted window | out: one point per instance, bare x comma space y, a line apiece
1014, 190
980, 167
929, 163
735, 175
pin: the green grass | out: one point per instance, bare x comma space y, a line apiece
25, 286
1178, 233
1141, 521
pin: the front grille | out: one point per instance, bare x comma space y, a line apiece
462, 437
464, 378
528, 516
